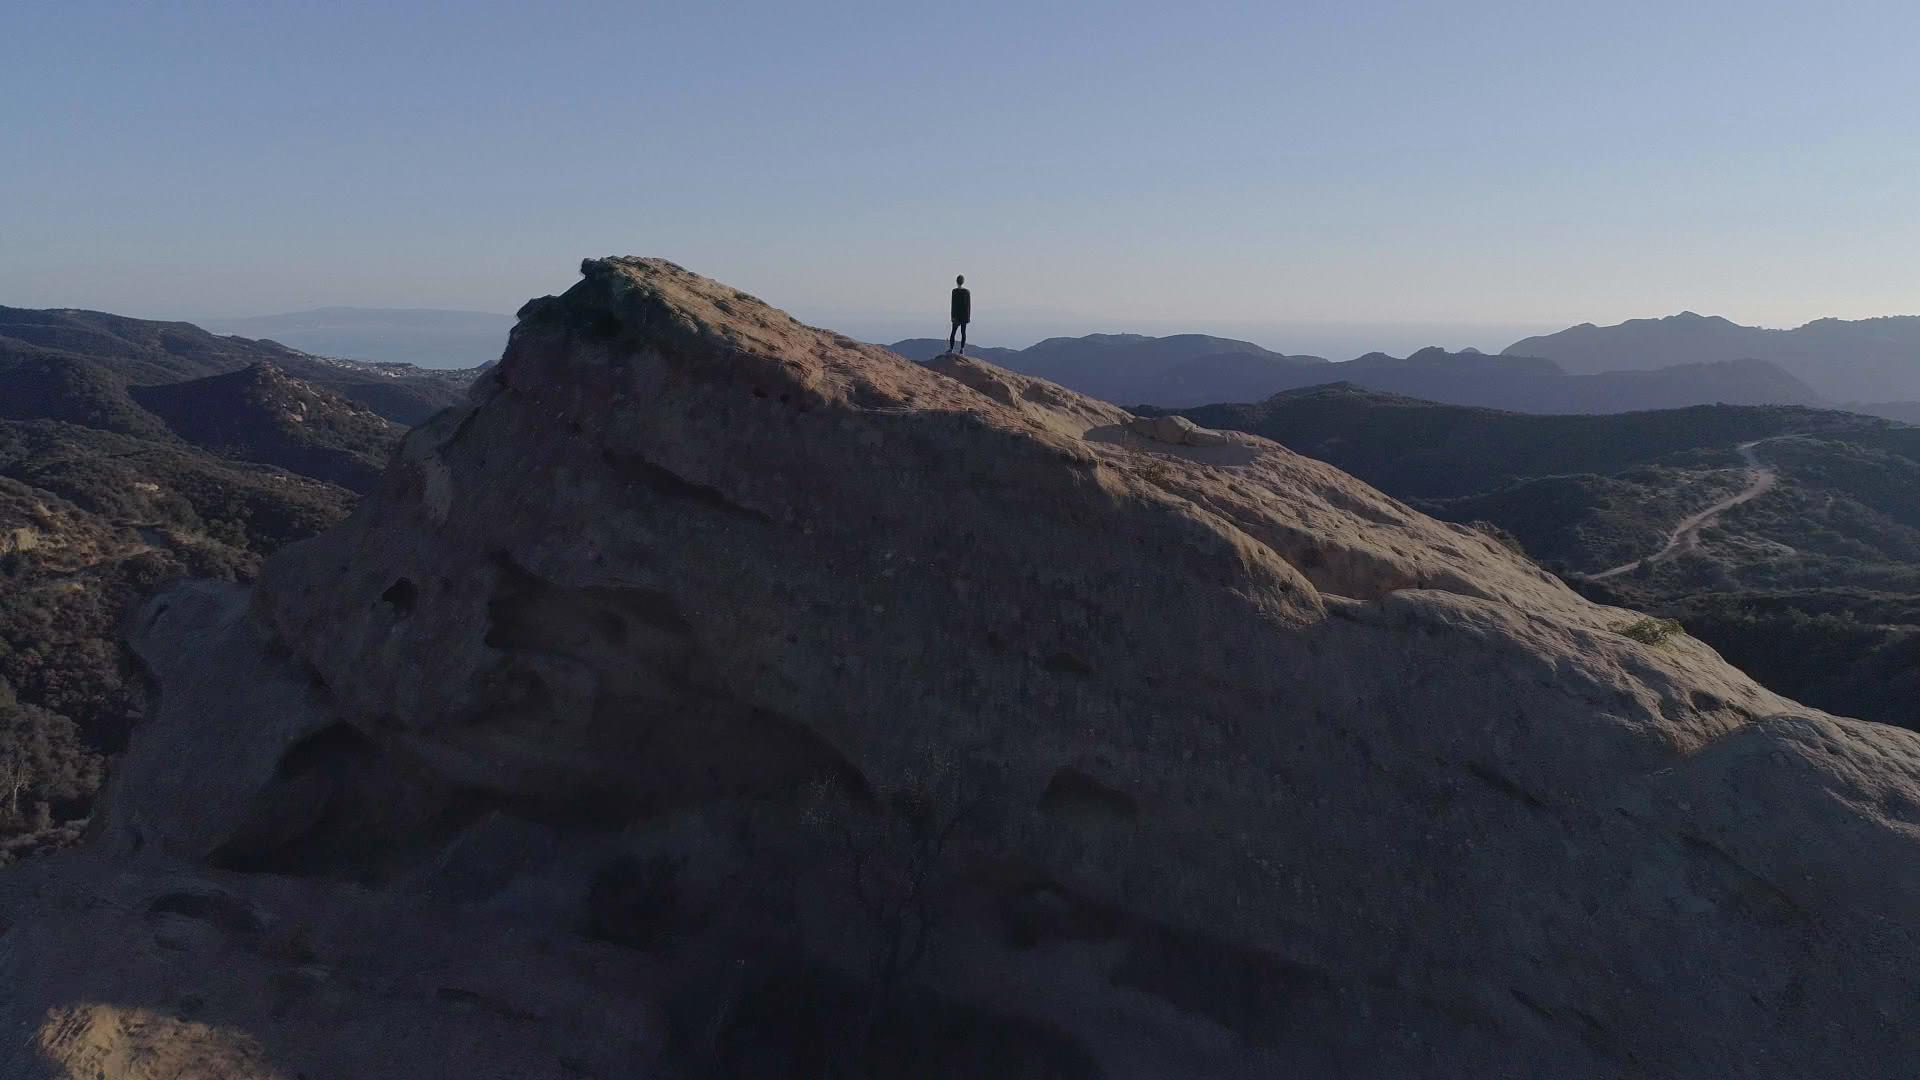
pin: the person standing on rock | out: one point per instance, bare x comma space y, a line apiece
962, 312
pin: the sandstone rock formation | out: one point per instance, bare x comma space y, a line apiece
1246, 768
1177, 430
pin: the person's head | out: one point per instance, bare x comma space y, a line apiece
960, 279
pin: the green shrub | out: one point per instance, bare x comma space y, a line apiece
1651, 631
1500, 536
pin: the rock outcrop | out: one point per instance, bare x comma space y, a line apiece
1238, 766
1177, 430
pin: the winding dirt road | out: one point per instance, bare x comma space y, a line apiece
1686, 535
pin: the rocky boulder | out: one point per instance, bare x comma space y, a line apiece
1236, 766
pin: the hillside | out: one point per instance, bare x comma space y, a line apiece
138, 350
1535, 385
712, 695
132, 452
1861, 360
257, 413
263, 415
51, 385
115, 350
1413, 447
1829, 551
89, 522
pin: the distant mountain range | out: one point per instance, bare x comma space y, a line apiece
1686, 359
1671, 362
1182, 369
1194, 369
427, 337
1538, 385
1866, 360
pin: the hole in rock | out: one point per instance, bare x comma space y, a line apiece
401, 596
1074, 791
611, 627
1065, 663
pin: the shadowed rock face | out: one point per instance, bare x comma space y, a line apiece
1273, 773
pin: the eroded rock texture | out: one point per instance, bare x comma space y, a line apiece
1251, 768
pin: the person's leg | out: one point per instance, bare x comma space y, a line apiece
963, 337
952, 330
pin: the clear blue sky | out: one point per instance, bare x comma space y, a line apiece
1095, 167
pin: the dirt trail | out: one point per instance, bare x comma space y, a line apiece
1686, 535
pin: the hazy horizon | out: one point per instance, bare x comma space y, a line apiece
1022, 328
1019, 328
1334, 341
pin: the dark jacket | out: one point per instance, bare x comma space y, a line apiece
962, 306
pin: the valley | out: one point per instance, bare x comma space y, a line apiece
131, 453
1787, 538
1686, 535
